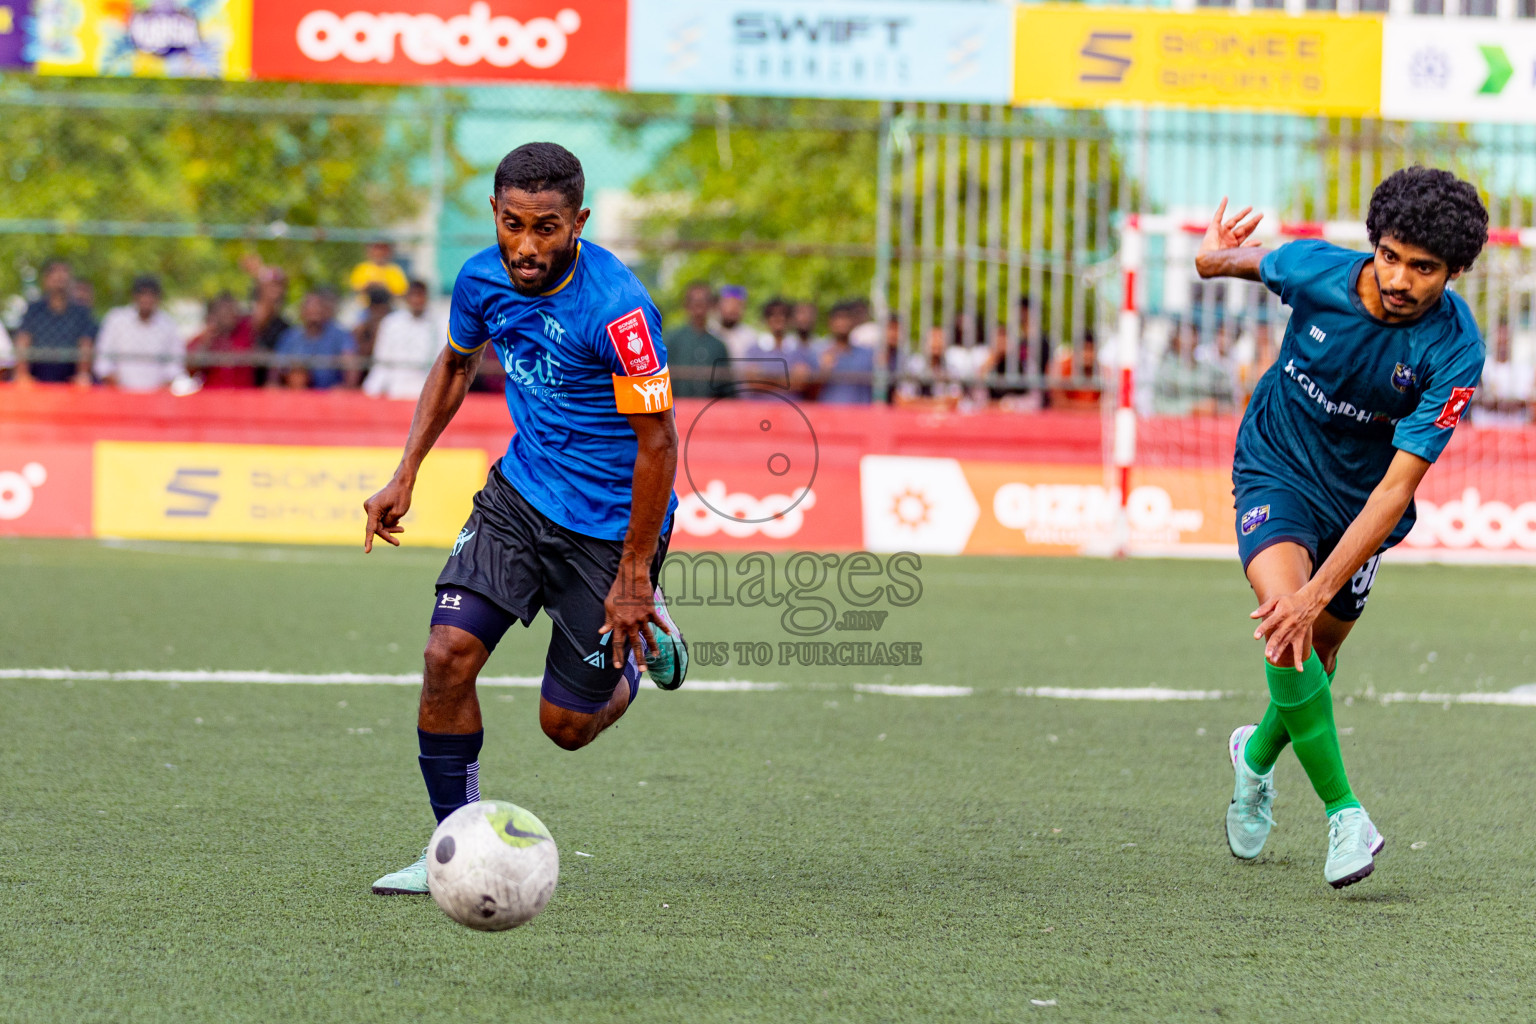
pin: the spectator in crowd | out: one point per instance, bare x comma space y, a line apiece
693, 353
843, 373
380, 268
1188, 383
139, 347
1075, 383
778, 358
775, 335
802, 324
316, 337
866, 332
7, 354
729, 326
408, 342
269, 294
56, 322
1509, 385
218, 354
380, 303
926, 377
83, 293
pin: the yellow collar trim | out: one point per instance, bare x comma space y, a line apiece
568, 277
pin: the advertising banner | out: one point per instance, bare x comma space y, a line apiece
952, 507
144, 38
1090, 56
15, 16
567, 42
1471, 69
266, 493
45, 490
944, 50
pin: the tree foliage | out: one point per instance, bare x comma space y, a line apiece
141, 153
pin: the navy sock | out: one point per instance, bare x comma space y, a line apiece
451, 767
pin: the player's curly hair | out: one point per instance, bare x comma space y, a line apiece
542, 167
1431, 209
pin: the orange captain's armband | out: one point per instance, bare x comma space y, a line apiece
643, 394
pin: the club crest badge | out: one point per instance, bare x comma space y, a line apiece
1402, 377
1254, 518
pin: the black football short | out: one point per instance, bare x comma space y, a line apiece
510, 561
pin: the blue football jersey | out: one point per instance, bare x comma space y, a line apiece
1348, 391
578, 357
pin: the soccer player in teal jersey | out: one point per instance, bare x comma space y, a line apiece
1378, 364
574, 520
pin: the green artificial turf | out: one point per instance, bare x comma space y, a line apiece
202, 851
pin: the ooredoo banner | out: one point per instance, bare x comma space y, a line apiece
568, 42
1473, 69
947, 50
45, 490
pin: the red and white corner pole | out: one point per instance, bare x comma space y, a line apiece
1123, 445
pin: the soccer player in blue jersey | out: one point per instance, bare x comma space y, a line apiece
1378, 364
575, 518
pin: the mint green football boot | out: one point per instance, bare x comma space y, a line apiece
408, 881
1253, 797
668, 664
1353, 844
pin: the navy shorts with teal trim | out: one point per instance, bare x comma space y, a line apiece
1268, 514
511, 562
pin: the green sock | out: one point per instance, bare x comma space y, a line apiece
1266, 742
1305, 707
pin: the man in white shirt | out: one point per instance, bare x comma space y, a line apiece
407, 343
729, 326
1508, 393
139, 347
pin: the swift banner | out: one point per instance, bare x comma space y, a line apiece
288, 495
144, 38
1090, 56
568, 42
1464, 70
946, 50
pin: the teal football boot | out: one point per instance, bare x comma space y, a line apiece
1253, 797
408, 881
668, 664
1353, 844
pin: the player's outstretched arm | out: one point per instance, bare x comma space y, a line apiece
631, 603
1229, 248
441, 396
1287, 620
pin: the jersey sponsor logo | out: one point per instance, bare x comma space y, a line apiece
643, 394
552, 329
595, 659
1454, 407
1346, 409
631, 337
1403, 377
1317, 334
464, 538
541, 376
1254, 518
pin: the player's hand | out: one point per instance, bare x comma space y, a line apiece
1286, 628
385, 510
1230, 232
629, 613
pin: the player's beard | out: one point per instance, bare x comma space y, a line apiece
553, 271
1409, 303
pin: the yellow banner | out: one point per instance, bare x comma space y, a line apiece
1090, 56
144, 38
271, 494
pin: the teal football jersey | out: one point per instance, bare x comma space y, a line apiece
1348, 390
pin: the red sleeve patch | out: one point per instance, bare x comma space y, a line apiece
631, 337
1451, 414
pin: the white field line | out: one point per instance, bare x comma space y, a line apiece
1141, 694
1520, 696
